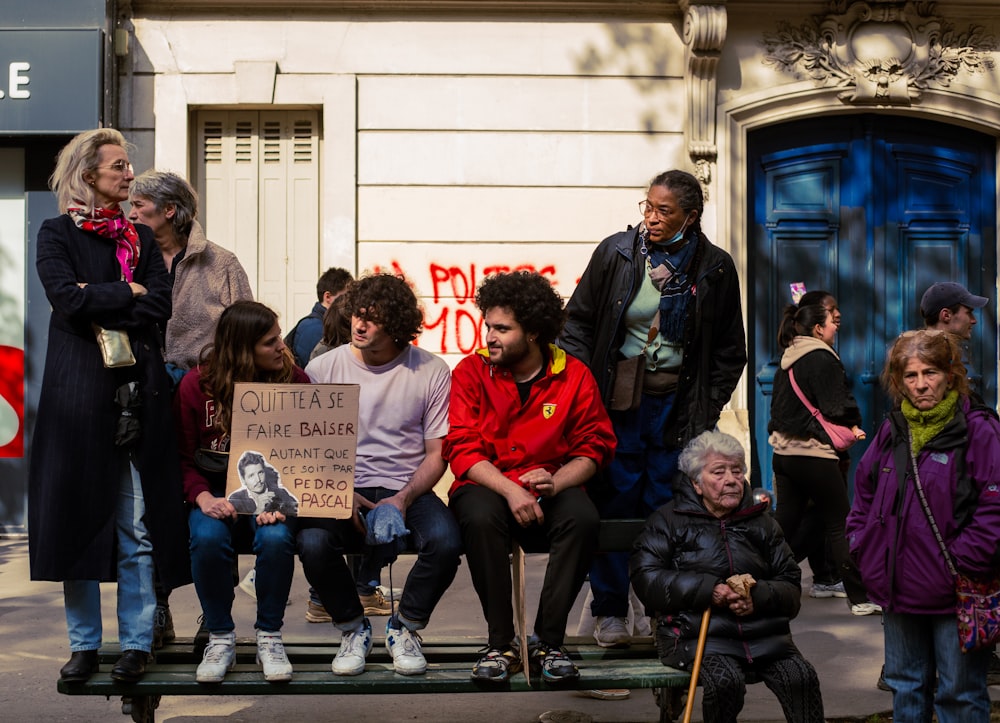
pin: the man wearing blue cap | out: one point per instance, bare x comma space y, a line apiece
948, 306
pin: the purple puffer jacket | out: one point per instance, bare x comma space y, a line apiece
889, 536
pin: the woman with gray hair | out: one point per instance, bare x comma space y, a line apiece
101, 507
711, 531
206, 277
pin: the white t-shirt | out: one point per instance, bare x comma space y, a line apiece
401, 404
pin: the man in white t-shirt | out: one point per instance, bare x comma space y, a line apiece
402, 421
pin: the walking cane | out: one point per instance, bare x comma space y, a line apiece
696, 668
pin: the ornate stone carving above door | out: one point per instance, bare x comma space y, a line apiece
881, 52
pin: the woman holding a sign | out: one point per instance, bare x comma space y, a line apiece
248, 348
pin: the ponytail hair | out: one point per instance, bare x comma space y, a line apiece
799, 320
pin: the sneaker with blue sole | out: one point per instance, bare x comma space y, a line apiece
552, 663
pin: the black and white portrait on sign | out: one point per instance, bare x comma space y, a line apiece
262, 490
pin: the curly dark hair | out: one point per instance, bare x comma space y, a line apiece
537, 306
386, 300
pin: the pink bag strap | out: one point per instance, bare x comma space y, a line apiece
802, 397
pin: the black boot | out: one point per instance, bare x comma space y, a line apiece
130, 666
82, 664
163, 625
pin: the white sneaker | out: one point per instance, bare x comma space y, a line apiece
219, 658
819, 590
866, 608
642, 627
271, 656
404, 646
249, 583
354, 648
612, 632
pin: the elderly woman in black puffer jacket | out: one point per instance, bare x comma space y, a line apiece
709, 532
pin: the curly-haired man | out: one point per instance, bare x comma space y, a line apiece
402, 420
528, 429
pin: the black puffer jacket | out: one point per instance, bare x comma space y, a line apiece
715, 349
684, 552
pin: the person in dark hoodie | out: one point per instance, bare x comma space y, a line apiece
690, 547
806, 464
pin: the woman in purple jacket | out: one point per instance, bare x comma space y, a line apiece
956, 445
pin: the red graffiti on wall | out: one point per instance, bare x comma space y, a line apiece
452, 323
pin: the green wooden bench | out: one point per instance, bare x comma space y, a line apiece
449, 664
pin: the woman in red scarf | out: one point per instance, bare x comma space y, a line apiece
101, 508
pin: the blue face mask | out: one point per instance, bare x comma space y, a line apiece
679, 235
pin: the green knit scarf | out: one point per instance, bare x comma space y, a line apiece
924, 426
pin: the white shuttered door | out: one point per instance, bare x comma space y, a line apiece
258, 176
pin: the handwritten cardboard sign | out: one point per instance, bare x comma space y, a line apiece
292, 449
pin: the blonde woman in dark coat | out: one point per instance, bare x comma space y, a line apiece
100, 511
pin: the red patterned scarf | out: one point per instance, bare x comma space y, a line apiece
111, 224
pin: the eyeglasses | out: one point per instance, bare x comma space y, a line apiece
120, 167
648, 209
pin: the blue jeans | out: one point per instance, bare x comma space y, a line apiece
214, 544
919, 646
641, 475
136, 599
433, 533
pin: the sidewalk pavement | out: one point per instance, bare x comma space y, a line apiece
846, 651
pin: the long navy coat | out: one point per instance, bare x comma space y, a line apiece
75, 466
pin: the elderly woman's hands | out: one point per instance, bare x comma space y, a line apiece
724, 596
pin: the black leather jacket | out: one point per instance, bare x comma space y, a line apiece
684, 552
715, 350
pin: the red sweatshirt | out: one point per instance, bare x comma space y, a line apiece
563, 418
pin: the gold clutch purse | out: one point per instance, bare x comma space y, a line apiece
115, 347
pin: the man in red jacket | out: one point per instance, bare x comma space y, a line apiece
528, 429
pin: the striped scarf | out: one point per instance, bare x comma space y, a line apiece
673, 275
111, 224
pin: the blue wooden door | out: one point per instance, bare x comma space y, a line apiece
873, 209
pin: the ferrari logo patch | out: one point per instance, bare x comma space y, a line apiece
548, 410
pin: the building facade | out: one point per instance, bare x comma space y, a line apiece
848, 145
57, 71
843, 144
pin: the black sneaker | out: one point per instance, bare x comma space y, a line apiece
553, 664
496, 666
881, 684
